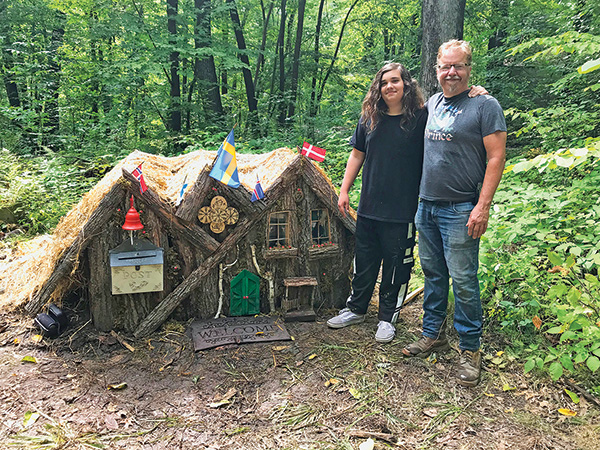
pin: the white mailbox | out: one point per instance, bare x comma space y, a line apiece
136, 268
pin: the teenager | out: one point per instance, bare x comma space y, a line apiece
388, 146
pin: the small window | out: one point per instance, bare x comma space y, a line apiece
319, 224
279, 226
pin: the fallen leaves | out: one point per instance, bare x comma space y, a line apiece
223, 400
431, 412
572, 395
111, 422
116, 387
29, 359
559, 269
567, 412
369, 444
30, 418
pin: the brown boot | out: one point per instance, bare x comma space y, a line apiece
469, 368
426, 346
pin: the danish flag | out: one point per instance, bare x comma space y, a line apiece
316, 153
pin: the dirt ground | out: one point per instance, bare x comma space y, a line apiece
326, 389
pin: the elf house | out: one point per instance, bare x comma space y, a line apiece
216, 253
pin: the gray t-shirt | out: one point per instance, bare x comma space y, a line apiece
455, 158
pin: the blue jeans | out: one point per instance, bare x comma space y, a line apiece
447, 251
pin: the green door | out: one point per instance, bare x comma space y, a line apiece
244, 298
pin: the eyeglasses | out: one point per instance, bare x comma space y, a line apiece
447, 67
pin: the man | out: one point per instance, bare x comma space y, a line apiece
465, 140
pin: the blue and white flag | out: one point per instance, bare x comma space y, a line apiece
257, 193
180, 196
225, 167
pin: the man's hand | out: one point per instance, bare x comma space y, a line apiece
343, 203
477, 90
478, 221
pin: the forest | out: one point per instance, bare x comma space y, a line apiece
87, 82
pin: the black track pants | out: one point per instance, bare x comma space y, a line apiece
378, 241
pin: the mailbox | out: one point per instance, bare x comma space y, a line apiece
136, 266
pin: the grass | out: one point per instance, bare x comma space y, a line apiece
55, 436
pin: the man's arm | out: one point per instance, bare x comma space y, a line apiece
355, 162
495, 147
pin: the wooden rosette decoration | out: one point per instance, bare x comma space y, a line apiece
218, 214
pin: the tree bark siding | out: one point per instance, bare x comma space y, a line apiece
442, 20
101, 306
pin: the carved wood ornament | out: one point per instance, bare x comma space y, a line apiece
218, 214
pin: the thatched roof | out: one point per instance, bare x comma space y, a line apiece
32, 263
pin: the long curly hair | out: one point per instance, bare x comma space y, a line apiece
374, 107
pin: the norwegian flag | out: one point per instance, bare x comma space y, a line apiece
137, 173
316, 153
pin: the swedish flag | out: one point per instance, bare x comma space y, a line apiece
225, 167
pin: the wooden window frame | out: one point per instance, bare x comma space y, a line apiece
320, 239
287, 233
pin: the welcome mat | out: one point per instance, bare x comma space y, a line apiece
237, 330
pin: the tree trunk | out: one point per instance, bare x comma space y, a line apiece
12, 89
241, 43
6, 60
313, 92
442, 20
204, 69
281, 54
499, 15
175, 94
94, 82
51, 106
261, 56
337, 49
296, 60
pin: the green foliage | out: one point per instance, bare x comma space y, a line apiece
39, 191
566, 158
573, 113
541, 260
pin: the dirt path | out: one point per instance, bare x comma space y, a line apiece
324, 390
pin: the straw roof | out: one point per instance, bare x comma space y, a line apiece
32, 263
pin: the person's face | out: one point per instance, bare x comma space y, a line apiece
392, 88
452, 72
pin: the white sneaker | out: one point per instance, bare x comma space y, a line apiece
385, 332
345, 318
